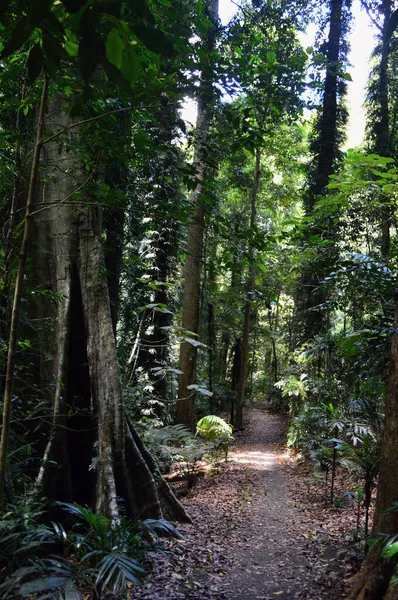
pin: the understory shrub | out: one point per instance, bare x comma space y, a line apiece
95, 554
217, 431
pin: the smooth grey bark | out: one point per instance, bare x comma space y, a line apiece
54, 237
105, 383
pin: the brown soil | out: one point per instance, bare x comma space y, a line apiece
261, 529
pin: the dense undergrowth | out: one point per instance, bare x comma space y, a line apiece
84, 552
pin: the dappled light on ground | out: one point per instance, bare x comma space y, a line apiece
252, 537
257, 460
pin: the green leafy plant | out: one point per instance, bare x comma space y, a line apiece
295, 390
388, 547
365, 457
217, 431
175, 444
96, 552
301, 429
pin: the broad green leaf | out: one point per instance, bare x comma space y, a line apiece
54, 52
35, 63
130, 64
212, 427
390, 550
72, 48
199, 389
154, 39
116, 76
175, 371
114, 48
192, 342
41, 585
163, 310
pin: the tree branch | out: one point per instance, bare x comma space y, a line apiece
369, 13
99, 117
65, 200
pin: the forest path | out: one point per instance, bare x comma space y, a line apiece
267, 562
260, 529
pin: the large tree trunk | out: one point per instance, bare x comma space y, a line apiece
328, 131
91, 456
375, 577
192, 267
325, 147
60, 353
382, 124
373, 581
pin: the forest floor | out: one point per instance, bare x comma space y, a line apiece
262, 529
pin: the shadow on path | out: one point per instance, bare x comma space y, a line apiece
268, 552
248, 540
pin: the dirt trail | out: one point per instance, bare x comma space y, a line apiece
268, 562
253, 535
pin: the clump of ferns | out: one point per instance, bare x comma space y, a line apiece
96, 554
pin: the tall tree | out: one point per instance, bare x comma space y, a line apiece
374, 579
326, 142
238, 421
93, 453
378, 122
266, 39
195, 234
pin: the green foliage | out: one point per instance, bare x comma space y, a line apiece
295, 390
216, 430
212, 427
95, 552
172, 443
94, 34
388, 548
